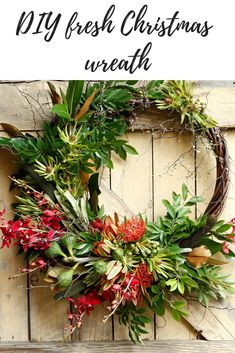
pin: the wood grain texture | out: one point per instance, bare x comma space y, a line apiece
27, 104
169, 346
47, 317
173, 165
173, 160
132, 182
220, 99
93, 328
43, 319
13, 292
164, 162
218, 319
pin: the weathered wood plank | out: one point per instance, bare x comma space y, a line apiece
173, 165
13, 292
132, 182
27, 104
206, 323
218, 319
169, 346
113, 203
48, 317
220, 99
93, 328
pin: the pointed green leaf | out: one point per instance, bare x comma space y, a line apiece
73, 95
184, 191
130, 149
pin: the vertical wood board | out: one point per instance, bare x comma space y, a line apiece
132, 182
173, 160
13, 292
93, 328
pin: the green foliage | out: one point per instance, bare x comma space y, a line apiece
61, 110
152, 89
177, 310
134, 319
75, 288
176, 224
73, 96
177, 96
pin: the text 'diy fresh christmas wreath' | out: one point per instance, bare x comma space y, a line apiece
59, 226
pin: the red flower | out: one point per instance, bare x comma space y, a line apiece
89, 300
31, 234
131, 289
52, 219
86, 303
132, 230
107, 226
40, 263
97, 225
144, 276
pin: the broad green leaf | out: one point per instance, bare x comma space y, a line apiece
132, 82
158, 308
172, 283
181, 287
224, 228
184, 191
130, 149
175, 314
170, 208
194, 200
73, 95
76, 288
61, 111
144, 319
178, 304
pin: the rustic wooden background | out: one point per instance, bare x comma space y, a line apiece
165, 160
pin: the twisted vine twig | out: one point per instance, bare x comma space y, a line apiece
217, 202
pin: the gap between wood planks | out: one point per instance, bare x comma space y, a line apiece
169, 346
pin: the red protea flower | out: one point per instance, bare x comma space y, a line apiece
132, 230
144, 276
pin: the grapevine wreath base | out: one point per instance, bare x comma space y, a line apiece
89, 257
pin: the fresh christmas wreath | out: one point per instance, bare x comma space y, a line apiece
90, 257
